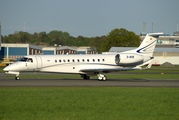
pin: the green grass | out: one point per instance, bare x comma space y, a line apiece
1, 69
91, 103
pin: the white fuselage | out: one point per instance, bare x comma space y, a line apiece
77, 63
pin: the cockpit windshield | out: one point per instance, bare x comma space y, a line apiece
24, 59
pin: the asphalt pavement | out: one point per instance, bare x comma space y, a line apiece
10, 81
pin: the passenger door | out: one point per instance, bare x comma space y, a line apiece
39, 62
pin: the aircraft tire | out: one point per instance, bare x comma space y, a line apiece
85, 77
88, 77
102, 78
17, 78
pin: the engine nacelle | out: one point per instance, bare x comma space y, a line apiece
127, 59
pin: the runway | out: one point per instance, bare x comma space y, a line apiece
6, 81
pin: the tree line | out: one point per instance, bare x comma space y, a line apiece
115, 38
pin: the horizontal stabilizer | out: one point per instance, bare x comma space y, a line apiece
156, 35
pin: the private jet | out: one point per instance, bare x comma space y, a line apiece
87, 65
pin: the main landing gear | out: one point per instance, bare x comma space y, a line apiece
101, 77
17, 77
85, 77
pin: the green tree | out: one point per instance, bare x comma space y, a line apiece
34, 38
71, 41
5, 39
58, 37
96, 42
43, 38
14, 38
120, 38
25, 37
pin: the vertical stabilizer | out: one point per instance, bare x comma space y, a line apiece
147, 46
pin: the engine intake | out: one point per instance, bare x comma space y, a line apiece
117, 59
130, 59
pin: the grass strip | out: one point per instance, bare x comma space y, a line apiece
79, 103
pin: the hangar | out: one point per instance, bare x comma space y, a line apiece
16, 51
59, 50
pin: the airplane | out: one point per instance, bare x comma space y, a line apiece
88, 64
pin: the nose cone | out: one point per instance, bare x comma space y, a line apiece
11, 67
5, 69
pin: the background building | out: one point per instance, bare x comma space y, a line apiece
16, 51
59, 50
167, 40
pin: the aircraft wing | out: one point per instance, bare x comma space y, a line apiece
98, 70
107, 70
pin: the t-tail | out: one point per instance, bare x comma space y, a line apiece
147, 46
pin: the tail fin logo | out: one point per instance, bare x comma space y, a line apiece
147, 48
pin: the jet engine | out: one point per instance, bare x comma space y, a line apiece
126, 59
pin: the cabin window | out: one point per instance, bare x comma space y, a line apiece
103, 60
64, 60
55, 60
93, 60
60, 60
78, 60
83, 60
87, 60
98, 60
73, 60
68, 60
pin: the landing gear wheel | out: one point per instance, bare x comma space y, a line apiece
102, 77
17, 78
85, 77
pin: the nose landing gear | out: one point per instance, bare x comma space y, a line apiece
17, 77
